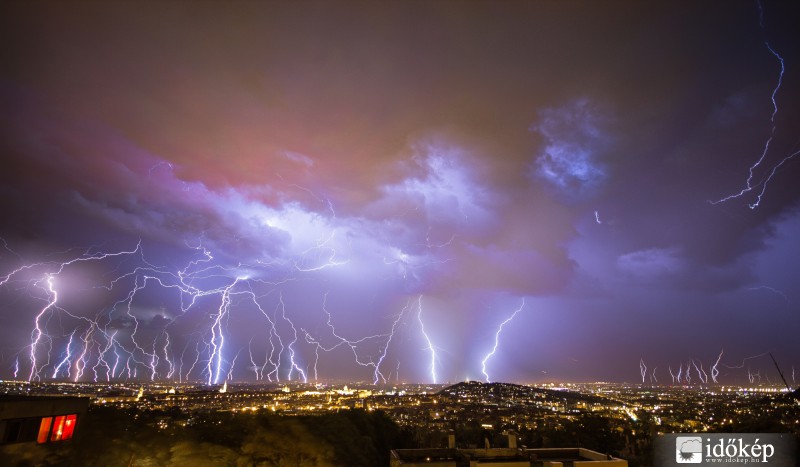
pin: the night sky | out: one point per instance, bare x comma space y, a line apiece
375, 187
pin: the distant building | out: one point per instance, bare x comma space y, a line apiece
502, 457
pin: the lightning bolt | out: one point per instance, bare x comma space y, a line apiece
65, 361
353, 345
292, 364
229, 377
684, 375
428, 243
196, 360
118, 343
430, 347
742, 365
171, 370
749, 186
377, 374
497, 340
701, 374
771, 289
270, 358
217, 337
642, 369
714, 370
100, 343
81, 362
256, 367
37, 332
101, 359
320, 257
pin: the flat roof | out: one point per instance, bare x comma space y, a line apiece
441, 454
498, 455
40, 406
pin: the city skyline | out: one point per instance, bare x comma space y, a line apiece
415, 192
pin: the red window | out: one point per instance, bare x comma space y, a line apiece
69, 426
58, 428
44, 429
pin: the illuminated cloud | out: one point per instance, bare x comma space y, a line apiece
574, 138
653, 263
444, 186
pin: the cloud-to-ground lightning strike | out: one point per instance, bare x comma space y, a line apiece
66, 360
701, 373
749, 184
497, 340
377, 374
218, 336
683, 375
642, 369
37, 330
114, 344
714, 367
430, 347
292, 364
353, 345
755, 378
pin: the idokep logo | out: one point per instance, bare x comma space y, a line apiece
689, 450
736, 448
769, 449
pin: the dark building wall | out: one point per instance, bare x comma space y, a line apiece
39, 419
